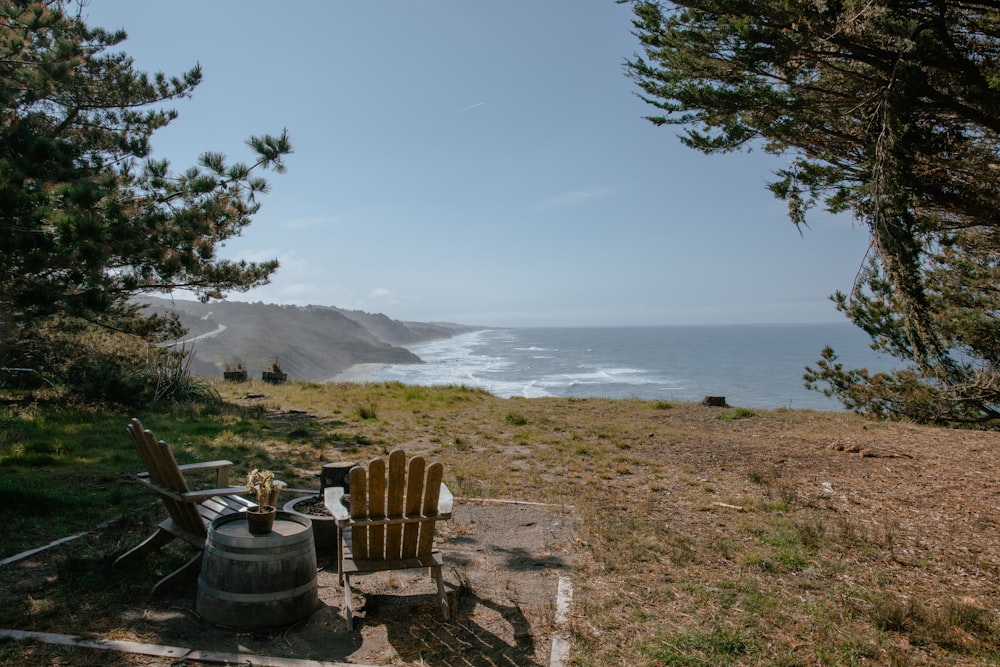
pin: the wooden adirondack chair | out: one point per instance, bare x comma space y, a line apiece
190, 511
391, 520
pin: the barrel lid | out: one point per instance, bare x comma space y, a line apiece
285, 525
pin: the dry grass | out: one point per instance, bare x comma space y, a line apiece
725, 535
710, 535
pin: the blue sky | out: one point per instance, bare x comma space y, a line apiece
479, 162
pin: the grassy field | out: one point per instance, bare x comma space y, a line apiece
709, 536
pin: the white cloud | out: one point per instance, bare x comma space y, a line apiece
469, 108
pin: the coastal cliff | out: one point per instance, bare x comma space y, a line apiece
310, 342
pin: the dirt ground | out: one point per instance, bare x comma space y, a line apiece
502, 566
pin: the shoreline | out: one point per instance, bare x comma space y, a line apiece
360, 373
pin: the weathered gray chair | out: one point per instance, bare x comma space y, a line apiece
391, 521
190, 512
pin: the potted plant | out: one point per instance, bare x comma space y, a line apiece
235, 372
260, 519
275, 375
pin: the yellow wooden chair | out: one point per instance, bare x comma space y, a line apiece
189, 512
391, 520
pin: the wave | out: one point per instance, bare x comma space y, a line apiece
752, 366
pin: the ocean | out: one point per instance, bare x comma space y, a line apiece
753, 366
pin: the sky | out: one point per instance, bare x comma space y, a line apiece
484, 163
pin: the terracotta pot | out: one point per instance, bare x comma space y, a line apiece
260, 520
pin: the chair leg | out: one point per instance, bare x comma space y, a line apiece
436, 575
146, 547
348, 604
340, 556
185, 572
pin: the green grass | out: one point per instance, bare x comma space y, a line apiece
700, 537
738, 413
717, 646
54, 460
515, 419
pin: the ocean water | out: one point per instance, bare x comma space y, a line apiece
754, 366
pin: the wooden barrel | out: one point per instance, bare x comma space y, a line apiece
255, 581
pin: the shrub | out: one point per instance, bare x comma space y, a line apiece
738, 413
515, 419
104, 366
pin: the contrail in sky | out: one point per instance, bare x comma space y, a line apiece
469, 108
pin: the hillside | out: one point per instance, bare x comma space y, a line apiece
311, 342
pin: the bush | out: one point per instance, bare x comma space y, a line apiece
368, 411
105, 366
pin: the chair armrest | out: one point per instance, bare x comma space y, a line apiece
446, 502
211, 493
206, 465
191, 496
331, 498
220, 467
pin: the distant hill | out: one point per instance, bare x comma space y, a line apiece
311, 342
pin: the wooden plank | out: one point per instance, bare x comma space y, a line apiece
359, 510
394, 504
209, 513
218, 506
135, 434
238, 503
414, 497
149, 451
376, 508
353, 566
176, 654
435, 475
32, 552
194, 539
222, 476
224, 492
389, 521
204, 465
170, 474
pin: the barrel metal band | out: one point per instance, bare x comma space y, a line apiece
259, 556
257, 597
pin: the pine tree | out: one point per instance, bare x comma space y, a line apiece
88, 218
888, 110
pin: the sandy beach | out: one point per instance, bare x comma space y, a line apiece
357, 373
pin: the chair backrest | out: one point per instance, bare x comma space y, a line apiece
163, 472
394, 510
